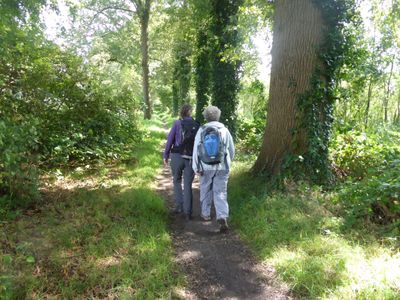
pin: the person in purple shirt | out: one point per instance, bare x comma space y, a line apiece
180, 147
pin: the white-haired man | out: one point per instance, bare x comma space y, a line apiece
213, 152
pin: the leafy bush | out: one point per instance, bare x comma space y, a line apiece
56, 110
371, 165
250, 135
376, 196
355, 153
18, 174
251, 125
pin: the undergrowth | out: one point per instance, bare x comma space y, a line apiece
309, 242
98, 236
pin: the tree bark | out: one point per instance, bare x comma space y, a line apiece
386, 99
396, 119
368, 103
298, 27
143, 10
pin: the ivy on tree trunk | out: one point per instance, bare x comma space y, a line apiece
309, 47
224, 66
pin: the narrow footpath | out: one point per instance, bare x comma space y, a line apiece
216, 266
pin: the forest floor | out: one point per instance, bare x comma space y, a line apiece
216, 265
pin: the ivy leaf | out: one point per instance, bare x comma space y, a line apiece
7, 259
30, 260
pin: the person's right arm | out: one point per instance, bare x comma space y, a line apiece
195, 158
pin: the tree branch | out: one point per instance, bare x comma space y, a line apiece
101, 11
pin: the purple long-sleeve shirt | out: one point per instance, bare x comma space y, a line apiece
174, 137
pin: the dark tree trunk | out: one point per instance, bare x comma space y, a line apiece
144, 16
298, 32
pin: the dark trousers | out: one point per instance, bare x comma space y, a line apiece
182, 166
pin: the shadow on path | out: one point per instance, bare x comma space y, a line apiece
216, 266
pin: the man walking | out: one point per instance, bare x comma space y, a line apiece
213, 152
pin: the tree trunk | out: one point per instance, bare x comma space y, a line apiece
297, 34
387, 96
368, 103
144, 15
225, 71
397, 117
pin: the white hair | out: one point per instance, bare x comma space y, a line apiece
212, 113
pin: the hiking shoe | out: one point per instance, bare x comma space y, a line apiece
188, 217
223, 225
205, 218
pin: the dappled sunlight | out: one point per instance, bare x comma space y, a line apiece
188, 256
314, 260
378, 271
101, 236
108, 261
309, 246
157, 129
337, 268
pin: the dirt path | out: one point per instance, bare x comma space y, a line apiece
216, 266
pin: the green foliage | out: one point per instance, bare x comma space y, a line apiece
308, 245
56, 110
106, 239
181, 76
250, 135
202, 75
18, 172
251, 124
355, 153
370, 165
224, 61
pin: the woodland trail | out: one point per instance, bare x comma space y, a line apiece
216, 266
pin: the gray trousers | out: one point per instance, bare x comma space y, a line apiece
213, 186
183, 166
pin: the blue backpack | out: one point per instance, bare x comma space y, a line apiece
211, 149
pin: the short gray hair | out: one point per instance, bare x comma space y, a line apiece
212, 113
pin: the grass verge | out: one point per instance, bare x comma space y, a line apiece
310, 247
102, 235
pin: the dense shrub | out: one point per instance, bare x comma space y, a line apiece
56, 109
370, 163
356, 153
250, 135
18, 172
251, 125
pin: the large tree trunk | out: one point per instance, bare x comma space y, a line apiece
297, 34
144, 15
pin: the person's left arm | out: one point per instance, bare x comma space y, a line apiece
170, 142
230, 144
